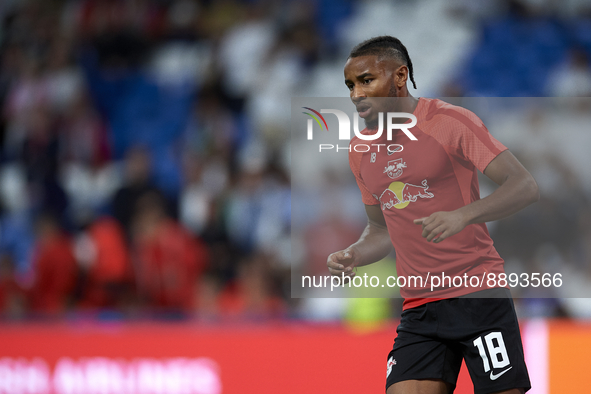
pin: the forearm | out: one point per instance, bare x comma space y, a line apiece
514, 194
373, 245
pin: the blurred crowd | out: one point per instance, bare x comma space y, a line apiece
144, 151
132, 181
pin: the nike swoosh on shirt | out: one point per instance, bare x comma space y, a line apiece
495, 377
391, 152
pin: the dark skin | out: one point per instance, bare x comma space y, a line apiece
368, 77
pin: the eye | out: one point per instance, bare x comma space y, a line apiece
350, 86
367, 81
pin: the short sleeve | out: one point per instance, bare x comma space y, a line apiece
355, 164
479, 146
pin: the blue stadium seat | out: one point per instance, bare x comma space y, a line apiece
515, 55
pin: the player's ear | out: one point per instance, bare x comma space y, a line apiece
401, 75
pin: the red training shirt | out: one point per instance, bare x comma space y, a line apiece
435, 173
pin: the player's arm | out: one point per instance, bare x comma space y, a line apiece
373, 245
517, 189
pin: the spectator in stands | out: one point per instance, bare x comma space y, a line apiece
54, 268
39, 153
137, 184
87, 172
168, 259
196, 200
27, 91
105, 266
63, 79
211, 127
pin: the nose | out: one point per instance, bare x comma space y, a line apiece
357, 94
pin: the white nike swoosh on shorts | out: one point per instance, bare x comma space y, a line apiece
495, 377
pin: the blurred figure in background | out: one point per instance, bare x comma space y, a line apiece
212, 128
54, 270
168, 260
87, 172
137, 184
103, 257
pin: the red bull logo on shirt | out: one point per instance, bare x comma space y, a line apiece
399, 194
394, 168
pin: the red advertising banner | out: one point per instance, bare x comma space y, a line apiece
161, 358
191, 359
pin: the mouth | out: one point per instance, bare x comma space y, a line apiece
363, 110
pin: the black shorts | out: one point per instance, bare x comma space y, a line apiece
434, 338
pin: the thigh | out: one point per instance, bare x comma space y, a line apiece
419, 358
494, 353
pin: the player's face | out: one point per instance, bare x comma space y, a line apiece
367, 77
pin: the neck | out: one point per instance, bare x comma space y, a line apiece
407, 104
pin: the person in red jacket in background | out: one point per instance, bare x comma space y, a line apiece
103, 256
168, 260
54, 268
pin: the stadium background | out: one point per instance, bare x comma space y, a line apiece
145, 188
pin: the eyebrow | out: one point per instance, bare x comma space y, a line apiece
361, 76
364, 75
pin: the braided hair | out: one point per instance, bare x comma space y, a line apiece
385, 47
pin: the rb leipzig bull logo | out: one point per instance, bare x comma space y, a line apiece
399, 194
394, 168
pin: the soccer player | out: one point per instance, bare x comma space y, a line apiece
424, 200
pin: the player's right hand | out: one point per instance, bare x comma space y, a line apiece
343, 261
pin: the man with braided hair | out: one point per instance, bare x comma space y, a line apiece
433, 216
